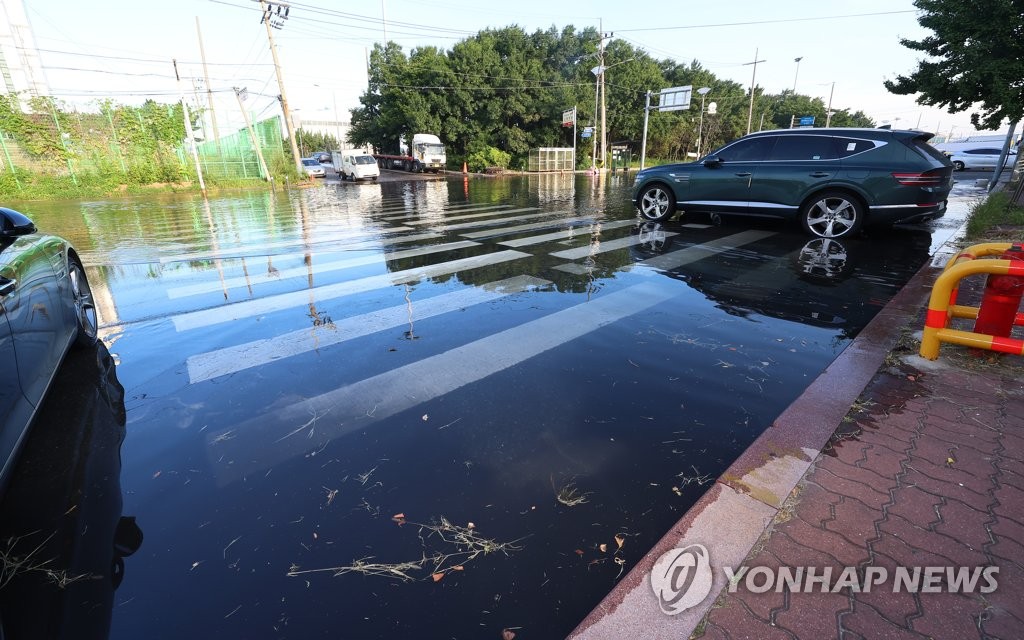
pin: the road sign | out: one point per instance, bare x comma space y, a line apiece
675, 98
569, 118
806, 121
586, 134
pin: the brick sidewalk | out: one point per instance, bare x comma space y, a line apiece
930, 473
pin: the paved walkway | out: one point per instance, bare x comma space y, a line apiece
930, 473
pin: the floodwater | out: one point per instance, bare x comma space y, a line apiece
432, 409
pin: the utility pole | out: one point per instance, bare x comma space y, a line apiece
267, 8
209, 92
604, 106
797, 61
188, 131
828, 114
750, 112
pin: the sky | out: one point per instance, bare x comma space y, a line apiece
123, 48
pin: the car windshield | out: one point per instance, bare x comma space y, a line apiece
310, 162
365, 160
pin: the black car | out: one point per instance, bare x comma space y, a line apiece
46, 307
832, 180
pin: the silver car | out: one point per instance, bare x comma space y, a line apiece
313, 168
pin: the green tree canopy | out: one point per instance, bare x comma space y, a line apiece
976, 59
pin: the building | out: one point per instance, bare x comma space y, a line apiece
21, 70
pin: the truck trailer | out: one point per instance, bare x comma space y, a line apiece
427, 154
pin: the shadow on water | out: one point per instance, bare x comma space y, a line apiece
64, 538
519, 354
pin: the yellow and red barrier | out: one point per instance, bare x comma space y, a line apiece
942, 306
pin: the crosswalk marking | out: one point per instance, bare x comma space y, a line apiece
440, 213
568, 233
355, 406
472, 216
258, 352
554, 215
337, 265
243, 251
259, 306
609, 245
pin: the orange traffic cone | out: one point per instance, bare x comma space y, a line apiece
464, 170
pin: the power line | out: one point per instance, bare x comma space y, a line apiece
760, 22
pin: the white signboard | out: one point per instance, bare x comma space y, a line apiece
675, 98
568, 117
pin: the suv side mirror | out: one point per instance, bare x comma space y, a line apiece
712, 161
13, 224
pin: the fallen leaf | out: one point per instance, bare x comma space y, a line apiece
315, 536
620, 539
912, 378
950, 460
157, 474
398, 516
507, 634
426, 417
470, 525
436, 576
458, 567
579, 552
603, 547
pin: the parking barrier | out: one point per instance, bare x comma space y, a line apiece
942, 306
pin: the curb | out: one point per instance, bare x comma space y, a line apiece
734, 513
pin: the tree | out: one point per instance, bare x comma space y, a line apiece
977, 59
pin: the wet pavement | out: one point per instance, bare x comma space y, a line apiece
503, 390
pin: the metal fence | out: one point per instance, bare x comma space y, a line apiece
551, 159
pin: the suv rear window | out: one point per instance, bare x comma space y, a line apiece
804, 148
851, 146
922, 146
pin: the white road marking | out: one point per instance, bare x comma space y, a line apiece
440, 213
301, 298
568, 233
225, 253
554, 215
472, 216
603, 246
236, 358
355, 406
301, 272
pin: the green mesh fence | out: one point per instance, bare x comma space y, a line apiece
234, 157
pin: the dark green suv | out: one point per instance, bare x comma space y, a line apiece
832, 180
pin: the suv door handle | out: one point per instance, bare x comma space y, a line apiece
745, 174
7, 287
820, 174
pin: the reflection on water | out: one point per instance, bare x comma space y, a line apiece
300, 367
62, 516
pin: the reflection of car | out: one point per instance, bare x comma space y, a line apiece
313, 168
359, 166
46, 306
832, 180
981, 158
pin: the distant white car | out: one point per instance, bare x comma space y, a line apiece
313, 168
980, 158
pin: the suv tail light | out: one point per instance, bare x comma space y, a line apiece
930, 178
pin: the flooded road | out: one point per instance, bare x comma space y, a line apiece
408, 409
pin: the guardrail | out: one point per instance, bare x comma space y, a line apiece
943, 307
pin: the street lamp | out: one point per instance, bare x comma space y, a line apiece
797, 61
703, 91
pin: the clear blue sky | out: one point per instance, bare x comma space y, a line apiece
323, 46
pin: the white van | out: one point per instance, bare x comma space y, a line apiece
358, 166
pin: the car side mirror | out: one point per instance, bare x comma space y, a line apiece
14, 224
712, 161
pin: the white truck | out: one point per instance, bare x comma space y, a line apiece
427, 154
355, 165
